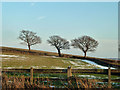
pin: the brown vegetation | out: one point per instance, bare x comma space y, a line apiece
22, 82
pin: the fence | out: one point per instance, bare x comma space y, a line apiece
69, 72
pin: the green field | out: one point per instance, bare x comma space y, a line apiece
15, 60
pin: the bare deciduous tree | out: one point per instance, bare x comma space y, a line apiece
59, 43
85, 43
30, 38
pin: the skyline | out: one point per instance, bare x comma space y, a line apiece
68, 20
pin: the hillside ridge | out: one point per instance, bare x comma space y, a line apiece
101, 61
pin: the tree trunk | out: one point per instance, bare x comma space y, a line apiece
84, 54
59, 53
29, 47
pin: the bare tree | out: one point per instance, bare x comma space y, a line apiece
30, 38
59, 43
85, 43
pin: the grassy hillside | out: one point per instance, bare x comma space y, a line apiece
42, 57
17, 60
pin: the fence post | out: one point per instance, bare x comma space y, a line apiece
31, 75
69, 74
69, 71
109, 77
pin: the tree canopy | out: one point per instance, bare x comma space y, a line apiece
29, 37
85, 43
59, 43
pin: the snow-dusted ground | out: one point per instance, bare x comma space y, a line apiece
57, 67
9, 55
90, 76
51, 56
93, 63
76, 63
79, 64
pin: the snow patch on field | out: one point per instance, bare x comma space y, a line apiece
9, 55
9, 67
83, 67
75, 64
79, 64
36, 67
54, 57
89, 76
6, 58
44, 66
57, 67
51, 56
96, 65
64, 61
13, 67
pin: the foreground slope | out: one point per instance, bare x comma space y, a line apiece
50, 55
13, 60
